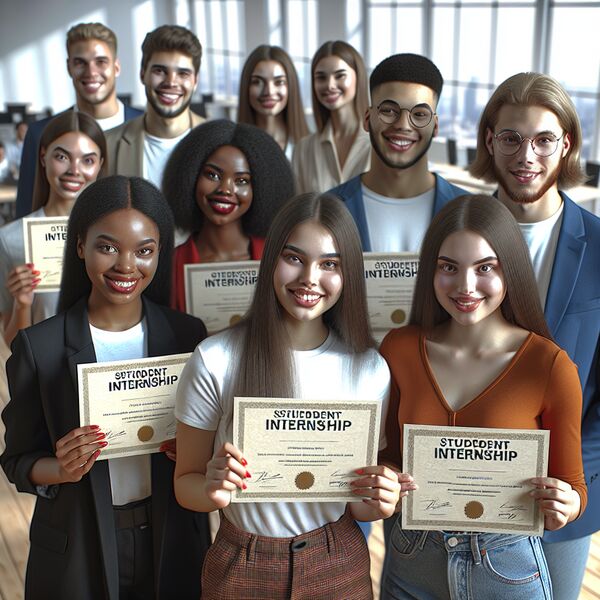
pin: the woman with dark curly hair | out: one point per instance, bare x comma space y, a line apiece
224, 182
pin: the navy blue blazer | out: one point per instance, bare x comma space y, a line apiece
573, 314
351, 193
29, 161
73, 552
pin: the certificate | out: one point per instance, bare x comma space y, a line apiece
390, 280
45, 239
132, 401
220, 293
473, 479
304, 450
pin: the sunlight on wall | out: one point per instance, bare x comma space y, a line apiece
143, 20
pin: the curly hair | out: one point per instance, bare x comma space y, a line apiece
100, 199
272, 179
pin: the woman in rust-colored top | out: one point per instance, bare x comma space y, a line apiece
477, 353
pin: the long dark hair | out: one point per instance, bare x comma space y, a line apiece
102, 198
293, 113
354, 60
489, 218
266, 367
70, 120
271, 174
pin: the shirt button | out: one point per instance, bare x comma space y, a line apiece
452, 542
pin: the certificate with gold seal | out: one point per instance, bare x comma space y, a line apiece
133, 402
474, 479
304, 450
45, 239
220, 293
390, 280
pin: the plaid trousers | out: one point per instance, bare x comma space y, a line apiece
329, 563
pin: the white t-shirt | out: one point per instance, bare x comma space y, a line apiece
117, 119
130, 477
542, 239
397, 224
156, 154
205, 401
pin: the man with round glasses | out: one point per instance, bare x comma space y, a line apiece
529, 142
393, 202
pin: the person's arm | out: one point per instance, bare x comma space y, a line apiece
204, 482
21, 283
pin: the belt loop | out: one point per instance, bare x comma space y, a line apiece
251, 549
330, 538
475, 548
423, 539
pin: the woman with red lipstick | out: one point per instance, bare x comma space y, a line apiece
107, 529
270, 97
477, 353
340, 149
224, 182
72, 155
306, 336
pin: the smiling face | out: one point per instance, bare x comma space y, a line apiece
170, 81
400, 145
72, 161
468, 281
308, 278
93, 69
526, 177
121, 253
268, 92
334, 82
224, 186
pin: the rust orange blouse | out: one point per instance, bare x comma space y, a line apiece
539, 389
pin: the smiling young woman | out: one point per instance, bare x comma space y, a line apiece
72, 155
306, 336
477, 353
112, 528
224, 182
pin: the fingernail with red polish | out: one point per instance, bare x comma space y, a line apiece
95, 427
29, 265
100, 435
102, 444
248, 474
243, 462
359, 471
244, 486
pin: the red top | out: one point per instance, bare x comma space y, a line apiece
187, 254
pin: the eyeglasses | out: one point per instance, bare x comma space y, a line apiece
419, 115
509, 142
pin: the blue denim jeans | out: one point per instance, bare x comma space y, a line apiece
566, 562
437, 565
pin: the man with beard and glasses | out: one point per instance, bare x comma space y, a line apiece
170, 63
529, 142
93, 66
394, 201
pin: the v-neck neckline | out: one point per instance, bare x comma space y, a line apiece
484, 391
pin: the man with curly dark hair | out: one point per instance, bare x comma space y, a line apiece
224, 182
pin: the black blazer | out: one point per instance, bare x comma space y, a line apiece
73, 544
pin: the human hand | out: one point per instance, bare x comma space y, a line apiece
225, 472
381, 489
559, 502
78, 450
169, 447
21, 283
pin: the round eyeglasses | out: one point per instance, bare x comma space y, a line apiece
509, 142
419, 115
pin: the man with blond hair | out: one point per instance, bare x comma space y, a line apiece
529, 143
93, 66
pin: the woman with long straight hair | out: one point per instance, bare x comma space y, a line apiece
72, 155
478, 353
270, 96
340, 149
306, 336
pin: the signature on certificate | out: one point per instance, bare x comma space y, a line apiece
111, 436
340, 479
511, 512
267, 479
436, 505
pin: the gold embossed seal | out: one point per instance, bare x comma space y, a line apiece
235, 319
398, 316
304, 480
473, 509
145, 433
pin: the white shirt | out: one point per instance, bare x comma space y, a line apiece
117, 119
542, 239
130, 477
397, 224
205, 401
156, 154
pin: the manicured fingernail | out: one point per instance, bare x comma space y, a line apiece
95, 427
102, 444
248, 474
100, 435
96, 454
29, 265
36, 281
359, 471
244, 486
36, 272
244, 462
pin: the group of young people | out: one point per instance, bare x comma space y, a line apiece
503, 332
